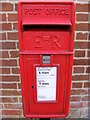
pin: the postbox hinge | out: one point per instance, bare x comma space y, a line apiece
21, 26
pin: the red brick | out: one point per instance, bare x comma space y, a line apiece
82, 7
12, 106
1, 106
13, 36
88, 6
78, 69
18, 45
89, 101
19, 85
81, 36
3, 16
85, 104
88, 70
75, 98
0, 85
79, 53
15, 26
81, 45
6, 26
89, 63
0, 26
81, 27
88, 26
78, 105
86, 85
14, 54
3, 36
9, 86
11, 112
9, 78
20, 99
0, 16
5, 70
7, 7
80, 77
79, 92
88, 53
8, 45
15, 7
89, 37
11, 93
85, 98
4, 54
9, 100
80, 62
77, 85
15, 70
9, 62
82, 17
12, 17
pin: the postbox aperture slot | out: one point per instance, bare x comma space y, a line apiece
46, 27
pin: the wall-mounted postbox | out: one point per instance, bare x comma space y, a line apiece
46, 39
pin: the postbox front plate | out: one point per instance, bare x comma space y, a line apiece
46, 80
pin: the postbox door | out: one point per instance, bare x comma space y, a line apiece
35, 106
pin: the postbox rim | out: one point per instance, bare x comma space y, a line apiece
45, 22
46, 1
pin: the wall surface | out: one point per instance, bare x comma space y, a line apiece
10, 85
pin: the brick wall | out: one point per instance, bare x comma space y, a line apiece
10, 89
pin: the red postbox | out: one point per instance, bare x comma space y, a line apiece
46, 40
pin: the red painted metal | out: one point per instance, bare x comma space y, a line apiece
46, 28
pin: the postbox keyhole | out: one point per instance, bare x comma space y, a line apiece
32, 87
